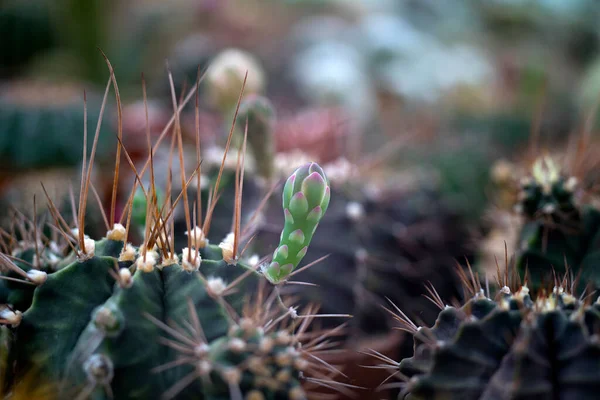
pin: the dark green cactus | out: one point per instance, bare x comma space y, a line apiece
40, 126
559, 231
514, 347
96, 323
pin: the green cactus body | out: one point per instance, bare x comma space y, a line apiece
306, 197
558, 232
510, 348
38, 123
126, 340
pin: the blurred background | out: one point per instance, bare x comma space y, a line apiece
463, 81
439, 100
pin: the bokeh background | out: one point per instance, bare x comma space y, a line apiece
462, 80
447, 97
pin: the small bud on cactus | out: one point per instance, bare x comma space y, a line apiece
226, 76
305, 199
258, 112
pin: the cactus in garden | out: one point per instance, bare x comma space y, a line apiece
514, 345
560, 229
40, 125
107, 319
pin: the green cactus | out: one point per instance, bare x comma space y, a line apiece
559, 231
258, 112
105, 319
40, 126
306, 197
95, 321
515, 347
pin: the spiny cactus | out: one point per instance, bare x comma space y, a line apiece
510, 346
107, 319
560, 230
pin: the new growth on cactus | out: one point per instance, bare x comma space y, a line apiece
306, 196
110, 319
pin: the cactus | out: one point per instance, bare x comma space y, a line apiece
560, 231
107, 319
517, 346
259, 114
227, 73
305, 199
40, 125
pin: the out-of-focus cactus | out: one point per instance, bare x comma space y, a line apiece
560, 231
512, 345
41, 124
259, 114
226, 74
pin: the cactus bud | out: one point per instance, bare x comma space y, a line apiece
258, 112
226, 76
305, 199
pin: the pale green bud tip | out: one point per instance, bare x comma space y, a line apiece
310, 180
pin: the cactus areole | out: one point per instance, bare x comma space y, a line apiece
306, 197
